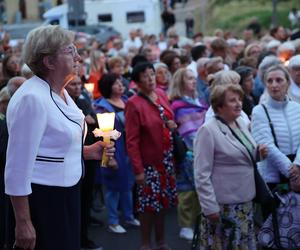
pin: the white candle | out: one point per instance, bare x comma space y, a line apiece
89, 87
106, 123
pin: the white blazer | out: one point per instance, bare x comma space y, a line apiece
45, 142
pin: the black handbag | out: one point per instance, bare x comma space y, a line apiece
179, 147
264, 195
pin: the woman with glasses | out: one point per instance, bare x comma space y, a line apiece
45, 146
149, 121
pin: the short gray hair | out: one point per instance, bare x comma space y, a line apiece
44, 41
266, 63
224, 77
294, 62
160, 65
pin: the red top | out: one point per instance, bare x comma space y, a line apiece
145, 136
94, 78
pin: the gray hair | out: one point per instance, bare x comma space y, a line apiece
201, 62
286, 46
266, 63
294, 61
160, 65
225, 77
44, 41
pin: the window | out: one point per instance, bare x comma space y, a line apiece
105, 18
73, 22
54, 22
136, 17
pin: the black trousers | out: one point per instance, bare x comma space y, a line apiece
87, 186
55, 214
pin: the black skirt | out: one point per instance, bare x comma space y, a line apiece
55, 214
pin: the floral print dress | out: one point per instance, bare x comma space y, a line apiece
159, 190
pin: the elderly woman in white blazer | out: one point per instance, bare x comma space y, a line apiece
45, 147
224, 174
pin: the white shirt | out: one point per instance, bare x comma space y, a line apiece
129, 43
44, 146
193, 67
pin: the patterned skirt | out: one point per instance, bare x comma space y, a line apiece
235, 232
159, 190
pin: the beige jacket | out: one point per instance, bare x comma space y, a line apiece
222, 167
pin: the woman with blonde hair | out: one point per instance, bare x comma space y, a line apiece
276, 123
253, 49
189, 112
97, 69
223, 78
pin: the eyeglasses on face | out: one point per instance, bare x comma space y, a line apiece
70, 49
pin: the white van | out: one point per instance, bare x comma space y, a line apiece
123, 15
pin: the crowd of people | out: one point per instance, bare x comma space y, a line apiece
232, 100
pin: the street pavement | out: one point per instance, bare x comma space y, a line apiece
131, 239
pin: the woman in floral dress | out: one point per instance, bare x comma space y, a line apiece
149, 120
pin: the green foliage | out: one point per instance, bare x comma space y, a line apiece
235, 15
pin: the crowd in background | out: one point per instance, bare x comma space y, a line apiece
158, 84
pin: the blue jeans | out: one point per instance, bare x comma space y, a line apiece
115, 200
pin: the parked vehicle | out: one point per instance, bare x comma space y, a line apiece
102, 33
122, 15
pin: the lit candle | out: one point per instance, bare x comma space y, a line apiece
106, 123
286, 63
89, 87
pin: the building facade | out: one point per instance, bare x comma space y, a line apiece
17, 11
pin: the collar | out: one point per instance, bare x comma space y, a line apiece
277, 104
194, 101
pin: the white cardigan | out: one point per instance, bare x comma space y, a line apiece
44, 146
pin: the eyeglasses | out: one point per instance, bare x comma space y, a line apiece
70, 49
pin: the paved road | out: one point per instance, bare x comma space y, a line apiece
131, 239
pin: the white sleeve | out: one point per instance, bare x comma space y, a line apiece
26, 122
203, 166
262, 134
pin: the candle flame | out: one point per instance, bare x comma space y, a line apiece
106, 121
